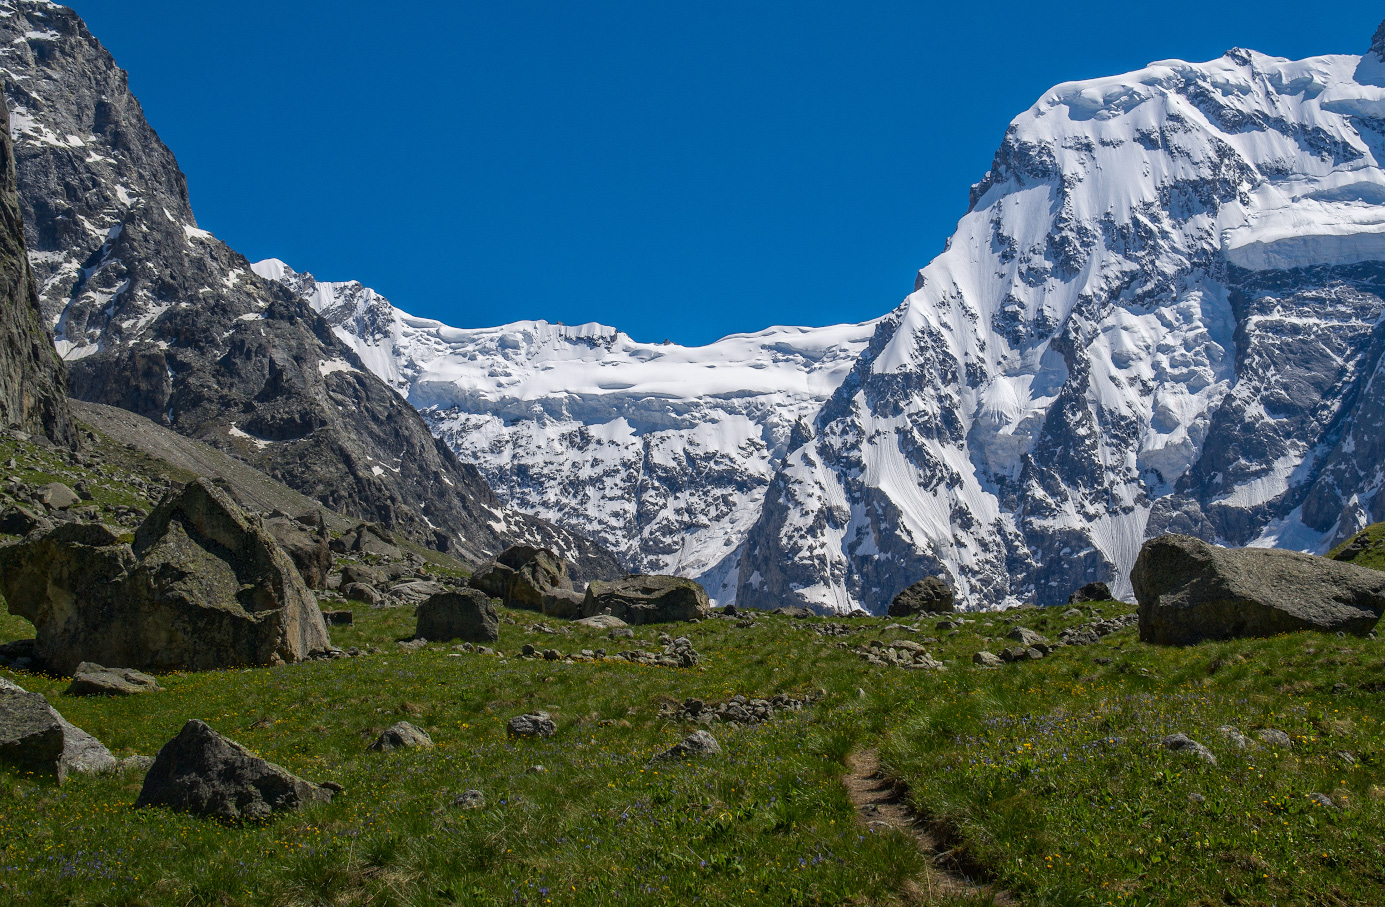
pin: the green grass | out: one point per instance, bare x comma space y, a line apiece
1374, 555
1045, 775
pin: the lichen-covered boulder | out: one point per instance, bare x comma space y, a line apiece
1190, 591
202, 773
204, 586
94, 680
648, 600
468, 615
34, 737
522, 576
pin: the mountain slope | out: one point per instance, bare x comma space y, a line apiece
1162, 312
159, 317
33, 382
663, 451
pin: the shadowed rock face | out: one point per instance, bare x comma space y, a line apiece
35, 737
158, 317
202, 773
927, 596
33, 381
648, 600
468, 615
1190, 591
203, 587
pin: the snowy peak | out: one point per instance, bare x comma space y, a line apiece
659, 450
1160, 312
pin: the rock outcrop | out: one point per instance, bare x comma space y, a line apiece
306, 546
204, 586
528, 577
468, 615
202, 773
34, 737
931, 595
1190, 591
1092, 592
94, 680
157, 316
401, 736
648, 600
33, 380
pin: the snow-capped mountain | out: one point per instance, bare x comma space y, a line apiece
662, 452
1162, 312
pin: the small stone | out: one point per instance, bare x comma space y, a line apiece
535, 724
401, 736
93, 680
1233, 736
986, 660
537, 770
134, 765
1323, 800
696, 744
1181, 743
1195, 797
472, 799
1273, 737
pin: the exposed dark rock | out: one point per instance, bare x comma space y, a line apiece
338, 618
1190, 591
202, 773
33, 380
35, 737
177, 327
203, 587
93, 680
1092, 592
931, 595
468, 615
22, 521
648, 600
1181, 743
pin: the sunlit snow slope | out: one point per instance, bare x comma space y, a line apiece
1162, 312
661, 452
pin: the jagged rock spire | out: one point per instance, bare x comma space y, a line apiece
1378, 42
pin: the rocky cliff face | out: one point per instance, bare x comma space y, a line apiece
663, 451
1163, 312
33, 381
155, 315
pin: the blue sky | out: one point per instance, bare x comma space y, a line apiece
681, 170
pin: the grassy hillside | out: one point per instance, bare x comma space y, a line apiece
1045, 776
1367, 548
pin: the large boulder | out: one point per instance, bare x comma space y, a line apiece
930, 595
34, 737
1190, 591
468, 615
368, 539
203, 773
522, 576
203, 587
648, 600
306, 547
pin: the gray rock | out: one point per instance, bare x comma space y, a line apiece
535, 724
401, 736
33, 379
202, 773
695, 745
1276, 738
135, 765
1323, 800
415, 592
1092, 592
308, 549
338, 618
622, 633
1234, 737
639, 600
18, 520
522, 575
1181, 743
93, 680
931, 595
1028, 639
472, 799
1190, 591
468, 615
986, 660
57, 496
363, 593
563, 603
602, 622
203, 587
33, 736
